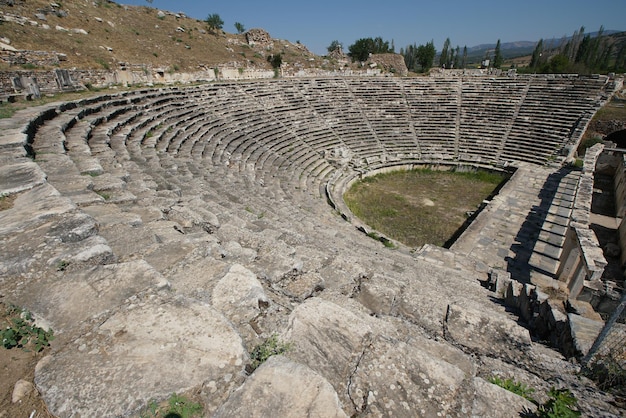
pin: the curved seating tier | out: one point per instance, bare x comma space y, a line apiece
147, 202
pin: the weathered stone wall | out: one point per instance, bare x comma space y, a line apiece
393, 63
258, 37
13, 82
36, 58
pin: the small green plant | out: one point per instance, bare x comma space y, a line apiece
387, 243
22, 332
29, 66
270, 347
62, 265
182, 406
177, 406
373, 235
104, 195
512, 386
562, 404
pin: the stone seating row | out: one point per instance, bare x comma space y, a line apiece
234, 127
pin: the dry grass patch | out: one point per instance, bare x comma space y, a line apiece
420, 206
137, 35
6, 202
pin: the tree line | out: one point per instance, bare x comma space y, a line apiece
581, 54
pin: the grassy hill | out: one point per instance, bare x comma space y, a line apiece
100, 34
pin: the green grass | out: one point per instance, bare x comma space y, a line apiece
420, 206
178, 406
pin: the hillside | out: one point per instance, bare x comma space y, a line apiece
102, 34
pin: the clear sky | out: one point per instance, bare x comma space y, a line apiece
316, 23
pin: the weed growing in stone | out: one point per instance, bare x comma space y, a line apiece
22, 332
562, 404
103, 195
62, 265
512, 386
178, 406
270, 347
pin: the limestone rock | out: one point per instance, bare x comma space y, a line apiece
19, 177
584, 332
481, 331
127, 363
288, 389
87, 293
329, 340
21, 390
32, 207
193, 214
239, 295
393, 378
493, 401
75, 227
300, 286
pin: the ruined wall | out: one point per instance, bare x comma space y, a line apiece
35, 58
393, 63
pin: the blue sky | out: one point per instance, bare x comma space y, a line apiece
316, 23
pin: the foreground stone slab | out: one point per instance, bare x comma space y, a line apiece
82, 295
394, 378
283, 388
15, 178
482, 331
124, 362
493, 401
